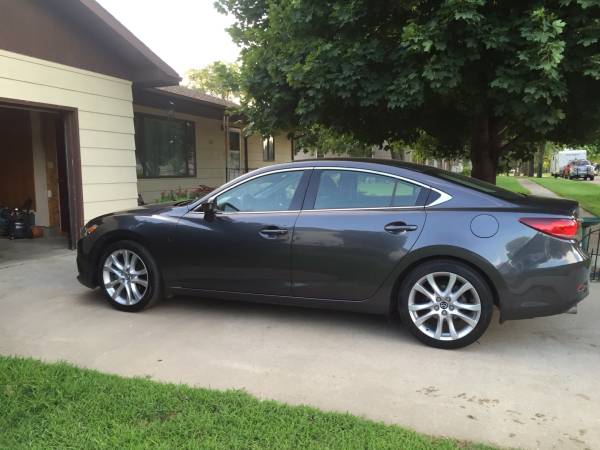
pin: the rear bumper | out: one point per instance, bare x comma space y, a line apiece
546, 292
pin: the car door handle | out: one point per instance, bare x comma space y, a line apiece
271, 232
399, 227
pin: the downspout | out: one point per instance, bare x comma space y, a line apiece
226, 128
245, 154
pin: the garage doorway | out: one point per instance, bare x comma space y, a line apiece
40, 180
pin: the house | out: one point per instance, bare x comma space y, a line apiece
90, 118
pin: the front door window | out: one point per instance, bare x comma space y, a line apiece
273, 192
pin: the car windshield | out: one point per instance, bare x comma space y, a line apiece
581, 162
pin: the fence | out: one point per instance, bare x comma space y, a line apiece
591, 244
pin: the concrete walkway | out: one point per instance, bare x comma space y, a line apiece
541, 191
529, 384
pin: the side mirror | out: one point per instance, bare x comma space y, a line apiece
209, 209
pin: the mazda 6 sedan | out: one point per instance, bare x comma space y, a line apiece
383, 237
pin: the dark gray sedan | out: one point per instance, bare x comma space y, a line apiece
382, 237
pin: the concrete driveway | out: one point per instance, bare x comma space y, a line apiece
531, 384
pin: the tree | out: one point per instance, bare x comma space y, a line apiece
218, 78
480, 76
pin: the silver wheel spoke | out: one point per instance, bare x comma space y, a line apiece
421, 306
132, 262
420, 288
421, 320
451, 283
136, 293
463, 289
113, 282
433, 284
453, 333
139, 272
126, 259
464, 317
140, 282
118, 291
115, 262
467, 306
439, 328
128, 289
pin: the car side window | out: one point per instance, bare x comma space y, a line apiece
272, 192
352, 189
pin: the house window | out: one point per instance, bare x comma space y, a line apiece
165, 147
268, 148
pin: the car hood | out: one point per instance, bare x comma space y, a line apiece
171, 208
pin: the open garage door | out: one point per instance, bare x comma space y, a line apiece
40, 178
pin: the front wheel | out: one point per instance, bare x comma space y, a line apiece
129, 276
445, 304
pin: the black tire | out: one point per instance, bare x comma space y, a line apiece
467, 273
592, 178
153, 291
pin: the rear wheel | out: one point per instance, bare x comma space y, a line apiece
445, 304
129, 277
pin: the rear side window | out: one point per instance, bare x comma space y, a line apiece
341, 189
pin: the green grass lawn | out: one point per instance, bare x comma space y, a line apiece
60, 406
585, 192
511, 184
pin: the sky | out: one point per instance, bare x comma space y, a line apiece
185, 34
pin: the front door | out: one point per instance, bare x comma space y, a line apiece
234, 146
245, 246
354, 229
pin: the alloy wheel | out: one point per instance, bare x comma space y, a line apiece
444, 306
125, 277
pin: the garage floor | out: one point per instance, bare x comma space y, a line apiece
529, 384
13, 252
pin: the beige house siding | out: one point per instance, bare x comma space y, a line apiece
283, 151
210, 157
105, 113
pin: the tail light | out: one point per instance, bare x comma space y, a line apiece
560, 228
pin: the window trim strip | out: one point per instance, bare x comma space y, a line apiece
444, 197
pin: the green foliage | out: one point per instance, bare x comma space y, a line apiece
511, 184
479, 76
584, 192
319, 141
46, 406
218, 78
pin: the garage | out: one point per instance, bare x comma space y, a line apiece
39, 201
67, 145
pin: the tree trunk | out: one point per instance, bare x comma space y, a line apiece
531, 171
541, 155
485, 149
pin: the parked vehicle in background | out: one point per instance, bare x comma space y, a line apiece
440, 249
580, 168
561, 160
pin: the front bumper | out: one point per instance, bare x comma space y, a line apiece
85, 266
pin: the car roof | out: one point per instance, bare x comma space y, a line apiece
385, 162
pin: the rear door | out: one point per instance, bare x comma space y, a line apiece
356, 225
